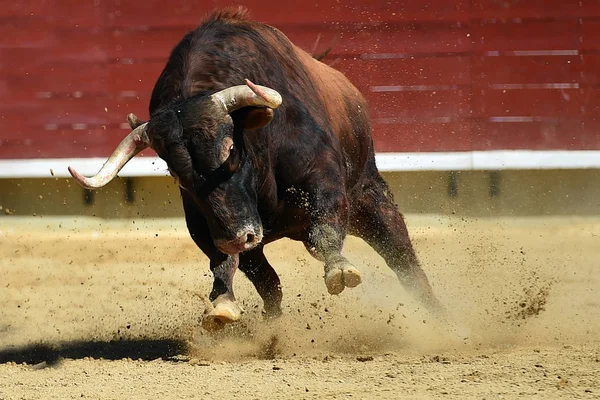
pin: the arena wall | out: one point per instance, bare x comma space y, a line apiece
469, 193
479, 107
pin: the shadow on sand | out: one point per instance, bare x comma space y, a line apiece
51, 354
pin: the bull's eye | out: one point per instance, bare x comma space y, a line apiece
232, 150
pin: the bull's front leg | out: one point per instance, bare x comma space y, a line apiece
223, 308
325, 239
325, 243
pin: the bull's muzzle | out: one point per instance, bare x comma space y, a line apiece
246, 239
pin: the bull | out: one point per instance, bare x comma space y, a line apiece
292, 157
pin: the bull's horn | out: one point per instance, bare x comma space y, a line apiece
133, 143
237, 97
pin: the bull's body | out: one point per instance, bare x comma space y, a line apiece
308, 175
319, 141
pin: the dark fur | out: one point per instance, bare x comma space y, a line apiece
309, 175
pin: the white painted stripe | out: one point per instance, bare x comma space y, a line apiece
128, 93
431, 161
518, 119
386, 56
408, 120
521, 53
41, 168
512, 86
424, 161
412, 88
528, 159
79, 127
489, 160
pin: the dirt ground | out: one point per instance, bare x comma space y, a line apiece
110, 309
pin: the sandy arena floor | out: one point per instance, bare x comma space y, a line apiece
105, 309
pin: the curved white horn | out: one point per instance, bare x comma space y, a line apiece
131, 145
237, 97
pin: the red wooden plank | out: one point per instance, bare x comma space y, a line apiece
178, 12
527, 35
32, 82
24, 8
59, 12
590, 102
160, 13
457, 136
526, 69
422, 136
54, 111
29, 33
590, 36
96, 142
399, 40
14, 120
419, 105
120, 107
92, 45
59, 111
554, 103
136, 78
569, 134
401, 71
86, 49
590, 69
557, 134
426, 10
589, 138
155, 43
499, 9
590, 8
431, 71
85, 110
57, 56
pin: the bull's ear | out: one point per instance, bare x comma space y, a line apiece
134, 121
252, 117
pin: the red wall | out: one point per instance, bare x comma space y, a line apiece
440, 75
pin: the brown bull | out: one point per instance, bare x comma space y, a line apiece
291, 158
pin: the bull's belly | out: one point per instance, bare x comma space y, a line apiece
293, 224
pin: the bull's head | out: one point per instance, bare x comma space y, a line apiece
201, 141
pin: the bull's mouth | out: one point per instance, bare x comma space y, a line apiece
247, 239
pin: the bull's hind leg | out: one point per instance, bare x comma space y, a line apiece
375, 218
264, 278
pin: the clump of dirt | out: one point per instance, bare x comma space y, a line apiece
532, 303
270, 349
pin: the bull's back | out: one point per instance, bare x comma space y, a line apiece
205, 61
346, 112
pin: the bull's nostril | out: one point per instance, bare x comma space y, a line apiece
250, 238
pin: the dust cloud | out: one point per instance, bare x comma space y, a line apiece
504, 282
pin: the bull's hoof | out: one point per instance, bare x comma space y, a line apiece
352, 277
272, 313
223, 312
345, 275
334, 280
